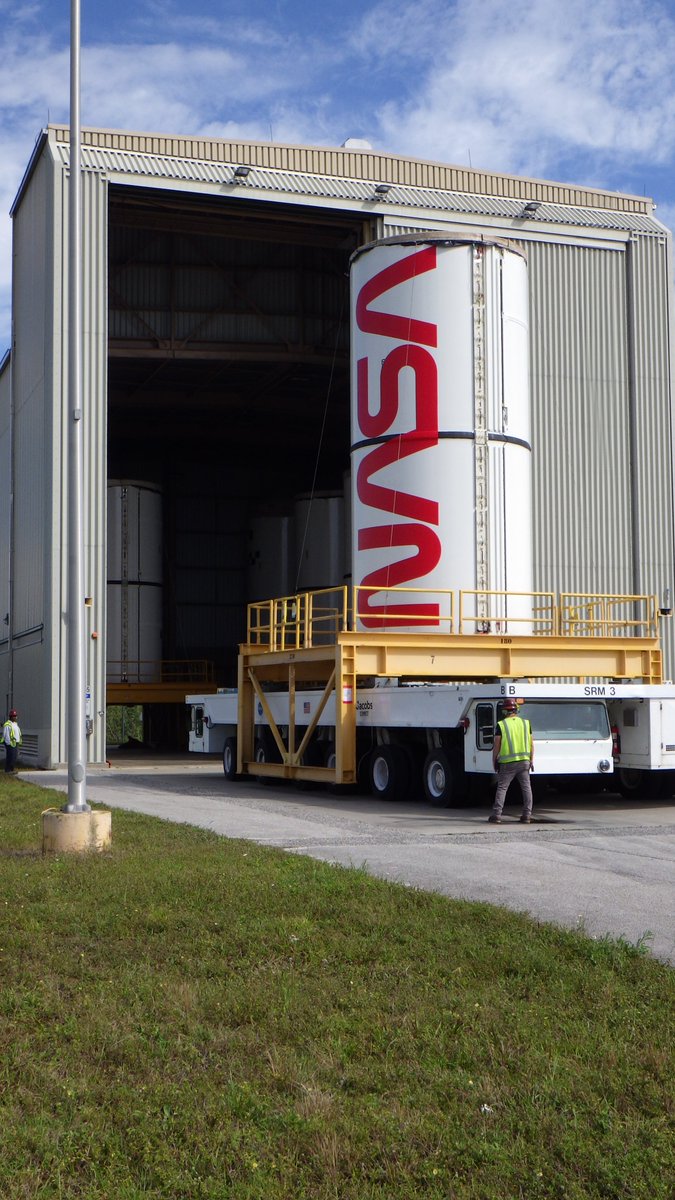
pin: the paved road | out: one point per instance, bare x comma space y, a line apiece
601, 863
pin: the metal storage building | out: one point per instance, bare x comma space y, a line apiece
216, 377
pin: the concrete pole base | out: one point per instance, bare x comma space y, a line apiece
82, 831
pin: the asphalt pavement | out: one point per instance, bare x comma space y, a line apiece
600, 863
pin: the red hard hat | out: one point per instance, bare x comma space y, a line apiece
510, 706
12, 714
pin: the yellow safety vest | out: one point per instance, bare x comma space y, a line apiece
9, 725
516, 735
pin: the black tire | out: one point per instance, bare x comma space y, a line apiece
230, 758
632, 783
338, 789
266, 752
644, 785
437, 777
389, 772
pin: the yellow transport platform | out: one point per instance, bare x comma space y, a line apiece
311, 639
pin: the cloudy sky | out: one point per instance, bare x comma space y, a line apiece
559, 89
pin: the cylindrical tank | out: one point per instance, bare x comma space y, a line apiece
271, 554
440, 420
319, 540
135, 578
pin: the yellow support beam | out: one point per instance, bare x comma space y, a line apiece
151, 693
476, 657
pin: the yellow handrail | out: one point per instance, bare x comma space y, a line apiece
315, 618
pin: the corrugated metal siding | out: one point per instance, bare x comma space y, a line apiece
580, 409
560, 205
95, 417
56, 350
94, 432
351, 164
32, 475
653, 451
391, 228
5, 517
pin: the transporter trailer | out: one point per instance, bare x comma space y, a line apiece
411, 712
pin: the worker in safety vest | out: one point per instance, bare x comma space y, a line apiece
11, 736
512, 758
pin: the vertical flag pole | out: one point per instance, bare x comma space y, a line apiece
76, 650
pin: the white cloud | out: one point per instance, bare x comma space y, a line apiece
517, 85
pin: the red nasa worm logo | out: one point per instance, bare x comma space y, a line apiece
413, 339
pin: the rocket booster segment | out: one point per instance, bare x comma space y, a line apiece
440, 428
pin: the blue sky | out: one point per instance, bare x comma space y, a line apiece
557, 89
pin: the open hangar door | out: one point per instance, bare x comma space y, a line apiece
228, 406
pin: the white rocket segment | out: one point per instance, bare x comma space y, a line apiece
441, 456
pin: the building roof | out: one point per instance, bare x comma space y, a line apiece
349, 174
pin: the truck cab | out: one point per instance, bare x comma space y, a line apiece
571, 737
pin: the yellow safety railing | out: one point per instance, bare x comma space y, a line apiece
503, 612
315, 618
299, 622
165, 670
421, 609
604, 615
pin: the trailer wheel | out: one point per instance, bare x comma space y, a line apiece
230, 758
632, 783
645, 785
389, 773
266, 752
437, 779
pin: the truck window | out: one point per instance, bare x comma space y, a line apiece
485, 726
567, 720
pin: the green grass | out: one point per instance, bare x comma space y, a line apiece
188, 1016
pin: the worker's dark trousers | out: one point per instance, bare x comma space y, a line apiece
11, 755
507, 772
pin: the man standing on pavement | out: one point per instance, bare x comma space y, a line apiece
512, 758
11, 736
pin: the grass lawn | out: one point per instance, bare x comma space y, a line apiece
192, 1017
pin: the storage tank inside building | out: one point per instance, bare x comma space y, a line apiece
319, 540
440, 433
134, 592
271, 555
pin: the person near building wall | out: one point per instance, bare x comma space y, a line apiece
513, 758
11, 736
